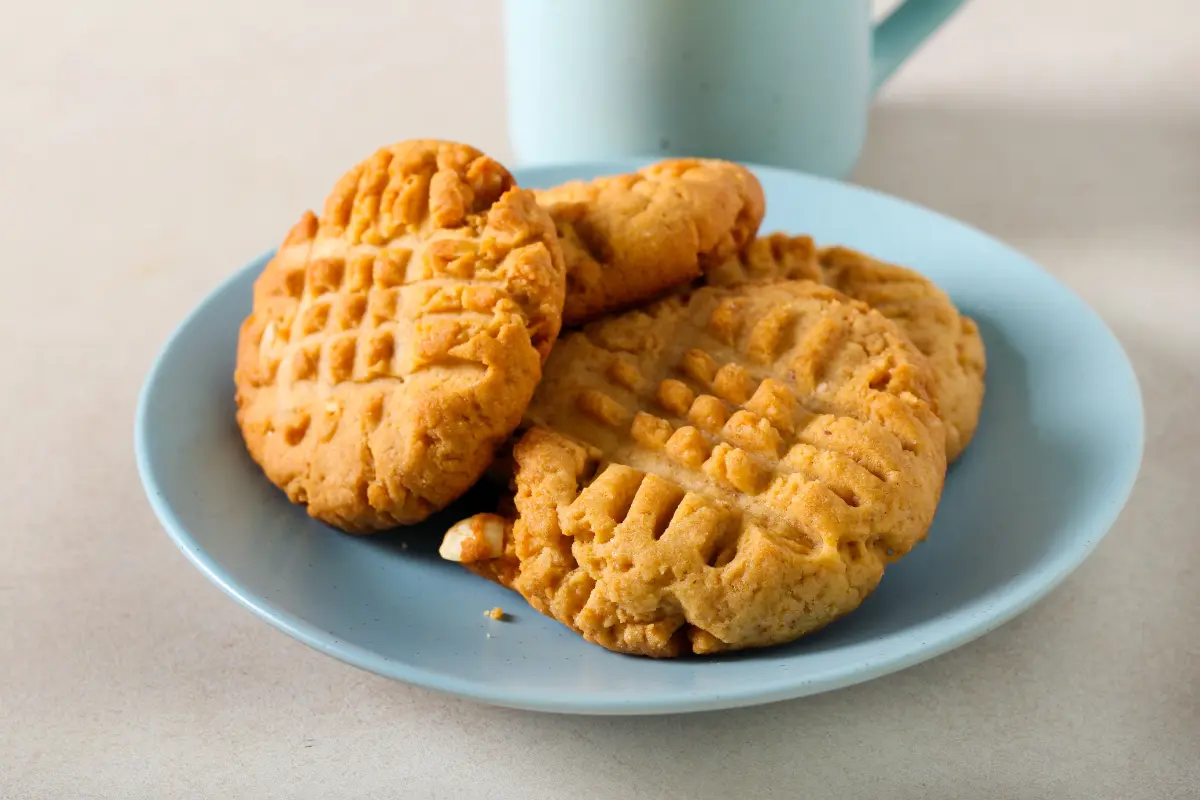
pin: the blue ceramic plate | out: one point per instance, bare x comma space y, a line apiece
1053, 462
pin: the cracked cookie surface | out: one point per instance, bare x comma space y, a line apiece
921, 310
396, 340
925, 314
629, 238
723, 469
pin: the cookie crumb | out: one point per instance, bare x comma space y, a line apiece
496, 613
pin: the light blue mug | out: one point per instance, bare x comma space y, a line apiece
781, 82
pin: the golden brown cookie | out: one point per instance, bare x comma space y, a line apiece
926, 315
775, 257
920, 309
629, 238
720, 470
395, 342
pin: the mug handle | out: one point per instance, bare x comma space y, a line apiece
899, 34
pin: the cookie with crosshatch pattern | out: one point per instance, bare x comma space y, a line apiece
770, 258
724, 469
922, 311
395, 341
926, 315
629, 238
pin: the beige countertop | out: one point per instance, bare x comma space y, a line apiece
147, 149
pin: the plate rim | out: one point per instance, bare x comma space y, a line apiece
897, 650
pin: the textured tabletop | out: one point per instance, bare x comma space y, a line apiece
147, 149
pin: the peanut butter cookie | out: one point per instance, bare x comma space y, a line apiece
395, 341
927, 316
724, 469
921, 310
775, 257
629, 238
